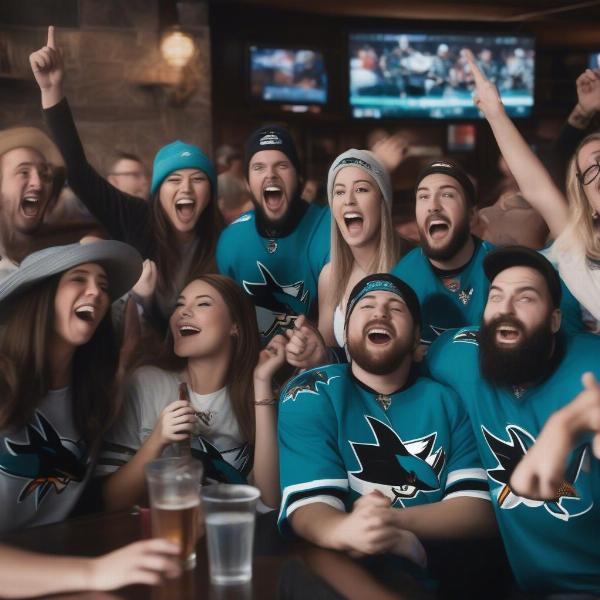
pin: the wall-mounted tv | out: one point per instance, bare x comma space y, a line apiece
287, 75
396, 75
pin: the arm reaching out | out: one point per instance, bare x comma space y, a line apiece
541, 471
266, 451
25, 574
533, 180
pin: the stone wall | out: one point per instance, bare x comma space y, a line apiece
118, 84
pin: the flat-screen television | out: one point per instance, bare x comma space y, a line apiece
594, 60
288, 75
395, 75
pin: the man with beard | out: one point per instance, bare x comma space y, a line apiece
277, 250
446, 272
512, 375
359, 441
29, 184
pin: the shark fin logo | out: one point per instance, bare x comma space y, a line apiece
398, 469
572, 499
466, 336
46, 460
307, 383
277, 304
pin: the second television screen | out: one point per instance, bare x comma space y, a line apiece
397, 75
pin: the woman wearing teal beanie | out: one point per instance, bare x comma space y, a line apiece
177, 230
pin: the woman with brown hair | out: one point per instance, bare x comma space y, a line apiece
177, 230
199, 398
57, 371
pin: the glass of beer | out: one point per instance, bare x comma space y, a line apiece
229, 516
174, 489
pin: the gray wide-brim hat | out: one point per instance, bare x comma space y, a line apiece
122, 263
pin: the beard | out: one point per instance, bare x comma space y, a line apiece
528, 361
459, 237
380, 363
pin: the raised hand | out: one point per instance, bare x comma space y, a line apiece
486, 96
141, 562
588, 92
146, 284
541, 472
271, 359
391, 150
306, 347
47, 66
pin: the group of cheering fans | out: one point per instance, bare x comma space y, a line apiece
380, 397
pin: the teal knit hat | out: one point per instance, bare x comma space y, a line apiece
179, 155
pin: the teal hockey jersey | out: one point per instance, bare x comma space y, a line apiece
458, 299
281, 274
552, 546
337, 442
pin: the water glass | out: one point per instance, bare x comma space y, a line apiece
229, 513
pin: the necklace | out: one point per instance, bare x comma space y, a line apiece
384, 401
271, 246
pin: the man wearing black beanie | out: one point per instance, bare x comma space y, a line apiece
446, 272
277, 250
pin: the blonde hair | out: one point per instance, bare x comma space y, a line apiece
581, 229
341, 256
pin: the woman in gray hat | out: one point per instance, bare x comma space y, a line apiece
57, 367
363, 240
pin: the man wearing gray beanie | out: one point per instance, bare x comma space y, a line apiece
446, 272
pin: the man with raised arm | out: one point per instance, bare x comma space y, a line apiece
512, 375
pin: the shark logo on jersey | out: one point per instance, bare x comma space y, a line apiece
307, 383
224, 466
466, 336
277, 304
46, 460
572, 500
398, 469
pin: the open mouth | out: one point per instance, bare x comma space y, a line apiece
187, 330
377, 335
86, 313
185, 208
354, 222
273, 197
30, 205
506, 334
438, 229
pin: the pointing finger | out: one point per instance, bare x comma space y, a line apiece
50, 43
477, 74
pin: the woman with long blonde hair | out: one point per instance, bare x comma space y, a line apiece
363, 240
573, 221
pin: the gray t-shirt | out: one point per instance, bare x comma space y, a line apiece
43, 467
217, 440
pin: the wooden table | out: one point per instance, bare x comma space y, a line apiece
289, 571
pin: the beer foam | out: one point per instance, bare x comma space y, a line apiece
177, 504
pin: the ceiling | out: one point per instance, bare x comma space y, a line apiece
508, 11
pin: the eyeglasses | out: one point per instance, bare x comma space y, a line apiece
135, 174
589, 174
